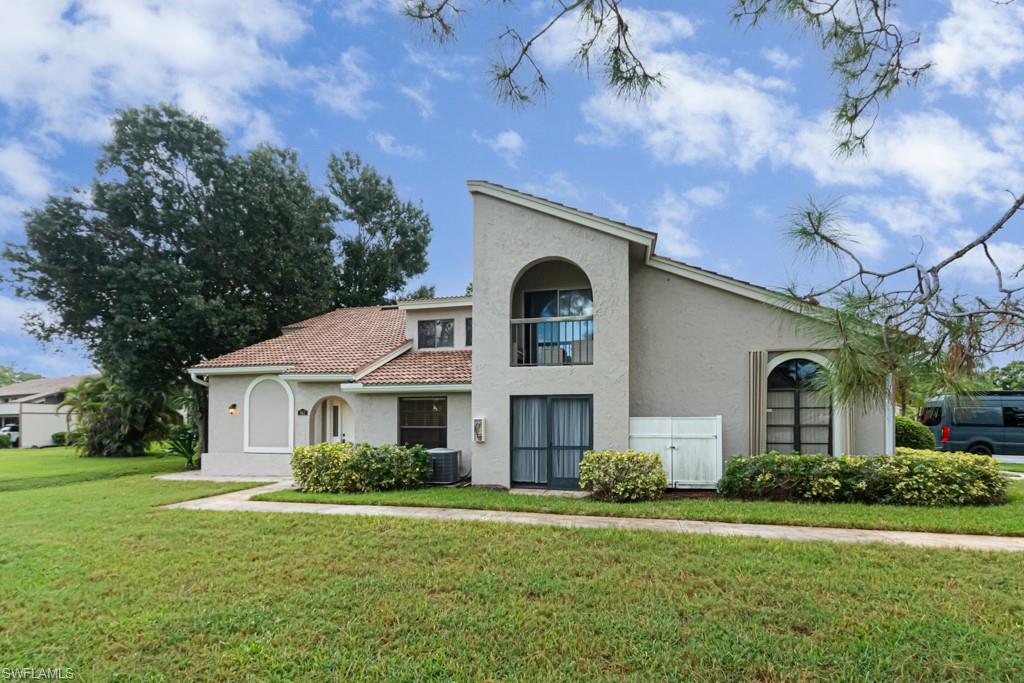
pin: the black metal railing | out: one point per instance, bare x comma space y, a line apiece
565, 340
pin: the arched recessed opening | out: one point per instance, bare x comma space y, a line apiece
799, 415
331, 421
552, 304
267, 419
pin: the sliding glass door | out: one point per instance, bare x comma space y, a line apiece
550, 434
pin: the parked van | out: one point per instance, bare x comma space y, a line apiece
990, 422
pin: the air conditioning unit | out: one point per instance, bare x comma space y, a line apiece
444, 463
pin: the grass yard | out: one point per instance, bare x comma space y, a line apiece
97, 579
1011, 466
25, 468
998, 520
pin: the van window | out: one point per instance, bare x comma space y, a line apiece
931, 416
1013, 415
981, 416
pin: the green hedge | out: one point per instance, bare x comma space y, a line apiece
623, 475
907, 478
358, 468
5, 441
59, 438
912, 434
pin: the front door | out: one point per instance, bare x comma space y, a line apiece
550, 434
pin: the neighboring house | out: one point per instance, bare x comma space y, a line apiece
577, 336
32, 407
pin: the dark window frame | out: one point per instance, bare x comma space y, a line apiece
436, 336
442, 441
801, 385
469, 331
552, 483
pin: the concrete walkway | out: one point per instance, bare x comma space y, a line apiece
240, 501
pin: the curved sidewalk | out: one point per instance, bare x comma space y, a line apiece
240, 501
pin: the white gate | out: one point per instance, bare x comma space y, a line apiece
690, 447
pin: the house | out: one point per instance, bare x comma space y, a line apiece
578, 335
33, 408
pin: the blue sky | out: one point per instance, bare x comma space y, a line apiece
714, 161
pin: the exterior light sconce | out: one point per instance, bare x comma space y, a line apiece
479, 430
233, 409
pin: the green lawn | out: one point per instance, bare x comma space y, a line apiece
996, 520
97, 579
1011, 466
24, 468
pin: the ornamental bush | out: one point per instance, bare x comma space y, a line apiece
911, 477
623, 476
5, 441
912, 434
358, 468
59, 438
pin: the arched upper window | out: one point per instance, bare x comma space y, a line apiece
552, 315
799, 415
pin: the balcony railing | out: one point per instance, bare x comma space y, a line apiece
565, 340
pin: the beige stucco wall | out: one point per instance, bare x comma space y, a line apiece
457, 314
38, 423
507, 239
365, 417
689, 344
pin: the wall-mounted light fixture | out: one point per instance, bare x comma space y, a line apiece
233, 409
479, 430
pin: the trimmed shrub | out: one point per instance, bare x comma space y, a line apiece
908, 478
623, 476
912, 434
358, 468
5, 441
59, 438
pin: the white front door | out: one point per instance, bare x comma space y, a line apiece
333, 426
690, 447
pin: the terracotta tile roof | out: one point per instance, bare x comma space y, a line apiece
341, 341
425, 367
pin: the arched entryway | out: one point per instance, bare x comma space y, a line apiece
800, 417
330, 421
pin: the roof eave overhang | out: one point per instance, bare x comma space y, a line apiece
359, 388
430, 304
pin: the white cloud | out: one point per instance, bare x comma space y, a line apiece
975, 265
865, 239
24, 180
345, 88
390, 145
673, 215
703, 114
447, 67
21, 170
361, 12
507, 144
977, 39
557, 186
260, 130
12, 311
780, 59
649, 30
69, 65
905, 215
421, 97
931, 150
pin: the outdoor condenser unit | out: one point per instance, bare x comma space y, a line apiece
444, 463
